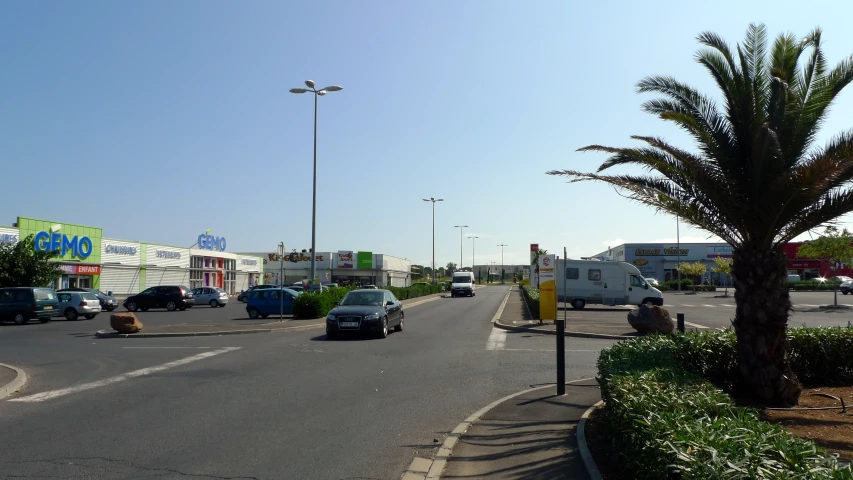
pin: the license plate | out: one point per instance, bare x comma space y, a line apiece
349, 324
48, 308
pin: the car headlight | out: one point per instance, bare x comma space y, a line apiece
330, 316
373, 316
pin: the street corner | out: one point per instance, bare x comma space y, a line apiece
12, 379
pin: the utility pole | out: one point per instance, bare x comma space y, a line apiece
502, 245
280, 281
433, 200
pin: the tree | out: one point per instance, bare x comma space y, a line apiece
22, 266
834, 246
451, 267
723, 266
441, 272
757, 180
695, 269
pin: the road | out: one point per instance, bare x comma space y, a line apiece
282, 405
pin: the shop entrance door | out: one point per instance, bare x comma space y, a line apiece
84, 281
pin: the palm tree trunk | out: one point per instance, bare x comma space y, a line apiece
763, 303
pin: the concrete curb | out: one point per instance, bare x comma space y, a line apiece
583, 448
16, 384
446, 448
106, 334
602, 336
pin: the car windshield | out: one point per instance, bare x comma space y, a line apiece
88, 296
373, 299
44, 294
461, 279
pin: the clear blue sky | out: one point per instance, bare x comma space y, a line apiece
159, 119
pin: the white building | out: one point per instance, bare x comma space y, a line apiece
343, 267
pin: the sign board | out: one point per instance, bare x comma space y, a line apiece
547, 287
345, 259
365, 261
726, 251
80, 269
57, 242
525, 276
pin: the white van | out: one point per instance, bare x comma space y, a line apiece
603, 283
462, 284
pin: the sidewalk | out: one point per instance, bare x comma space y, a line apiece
528, 436
245, 327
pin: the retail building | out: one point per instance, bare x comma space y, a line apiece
342, 267
88, 259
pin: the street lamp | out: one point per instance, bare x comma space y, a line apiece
461, 228
502, 245
433, 200
472, 254
317, 94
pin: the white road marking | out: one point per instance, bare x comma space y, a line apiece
543, 350
497, 339
40, 397
706, 305
166, 347
727, 305
806, 305
695, 325
686, 305
501, 308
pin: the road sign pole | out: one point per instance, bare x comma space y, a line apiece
561, 345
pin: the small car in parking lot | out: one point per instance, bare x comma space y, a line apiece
107, 300
242, 296
21, 304
72, 305
213, 296
270, 301
170, 297
365, 311
846, 287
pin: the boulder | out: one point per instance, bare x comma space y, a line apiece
125, 322
651, 319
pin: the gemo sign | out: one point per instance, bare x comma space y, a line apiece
209, 242
52, 242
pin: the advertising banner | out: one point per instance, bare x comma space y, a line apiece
345, 259
533, 278
547, 287
365, 260
720, 251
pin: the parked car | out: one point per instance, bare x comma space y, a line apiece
297, 288
652, 281
170, 297
74, 304
270, 301
21, 304
107, 300
242, 296
839, 279
369, 287
365, 311
213, 296
846, 287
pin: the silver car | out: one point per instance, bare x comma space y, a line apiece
74, 304
213, 296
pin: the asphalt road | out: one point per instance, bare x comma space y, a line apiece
283, 405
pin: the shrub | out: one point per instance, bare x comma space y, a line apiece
703, 288
531, 297
414, 291
822, 356
660, 414
812, 285
686, 283
317, 305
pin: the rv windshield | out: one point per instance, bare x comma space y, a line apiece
638, 281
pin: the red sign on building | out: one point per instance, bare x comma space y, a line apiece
70, 269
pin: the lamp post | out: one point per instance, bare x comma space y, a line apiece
461, 228
472, 254
280, 281
317, 94
433, 200
502, 245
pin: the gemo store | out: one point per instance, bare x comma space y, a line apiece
87, 259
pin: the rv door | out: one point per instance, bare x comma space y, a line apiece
614, 284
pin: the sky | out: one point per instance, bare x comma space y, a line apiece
158, 120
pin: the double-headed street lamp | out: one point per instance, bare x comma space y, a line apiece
461, 228
433, 200
317, 94
502, 245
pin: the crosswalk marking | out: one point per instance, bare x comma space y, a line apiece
497, 339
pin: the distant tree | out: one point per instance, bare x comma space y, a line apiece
450, 268
723, 266
694, 269
441, 272
22, 266
834, 246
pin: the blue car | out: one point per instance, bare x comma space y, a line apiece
265, 302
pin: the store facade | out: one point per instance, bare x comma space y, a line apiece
86, 259
343, 267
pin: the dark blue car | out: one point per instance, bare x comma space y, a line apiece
268, 301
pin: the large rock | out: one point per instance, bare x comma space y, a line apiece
650, 319
125, 322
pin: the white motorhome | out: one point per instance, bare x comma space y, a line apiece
603, 283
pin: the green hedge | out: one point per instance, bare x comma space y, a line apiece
812, 285
704, 288
673, 284
665, 407
317, 305
531, 296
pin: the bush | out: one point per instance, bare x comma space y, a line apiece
317, 305
686, 283
812, 285
703, 288
531, 297
660, 414
415, 291
822, 356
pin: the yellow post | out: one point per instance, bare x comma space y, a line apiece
547, 287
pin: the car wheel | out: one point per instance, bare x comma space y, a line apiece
473, 294
265, 315
89, 317
221, 304
214, 304
131, 307
384, 332
254, 313
144, 309
44, 320
182, 308
452, 295
171, 306
20, 319
330, 335
71, 314
399, 326
578, 304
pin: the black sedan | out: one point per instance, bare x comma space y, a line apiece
366, 311
107, 300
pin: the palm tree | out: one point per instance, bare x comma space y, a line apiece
535, 264
756, 181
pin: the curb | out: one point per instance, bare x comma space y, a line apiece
583, 448
106, 334
602, 336
446, 448
16, 384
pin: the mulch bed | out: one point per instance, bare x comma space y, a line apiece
831, 429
